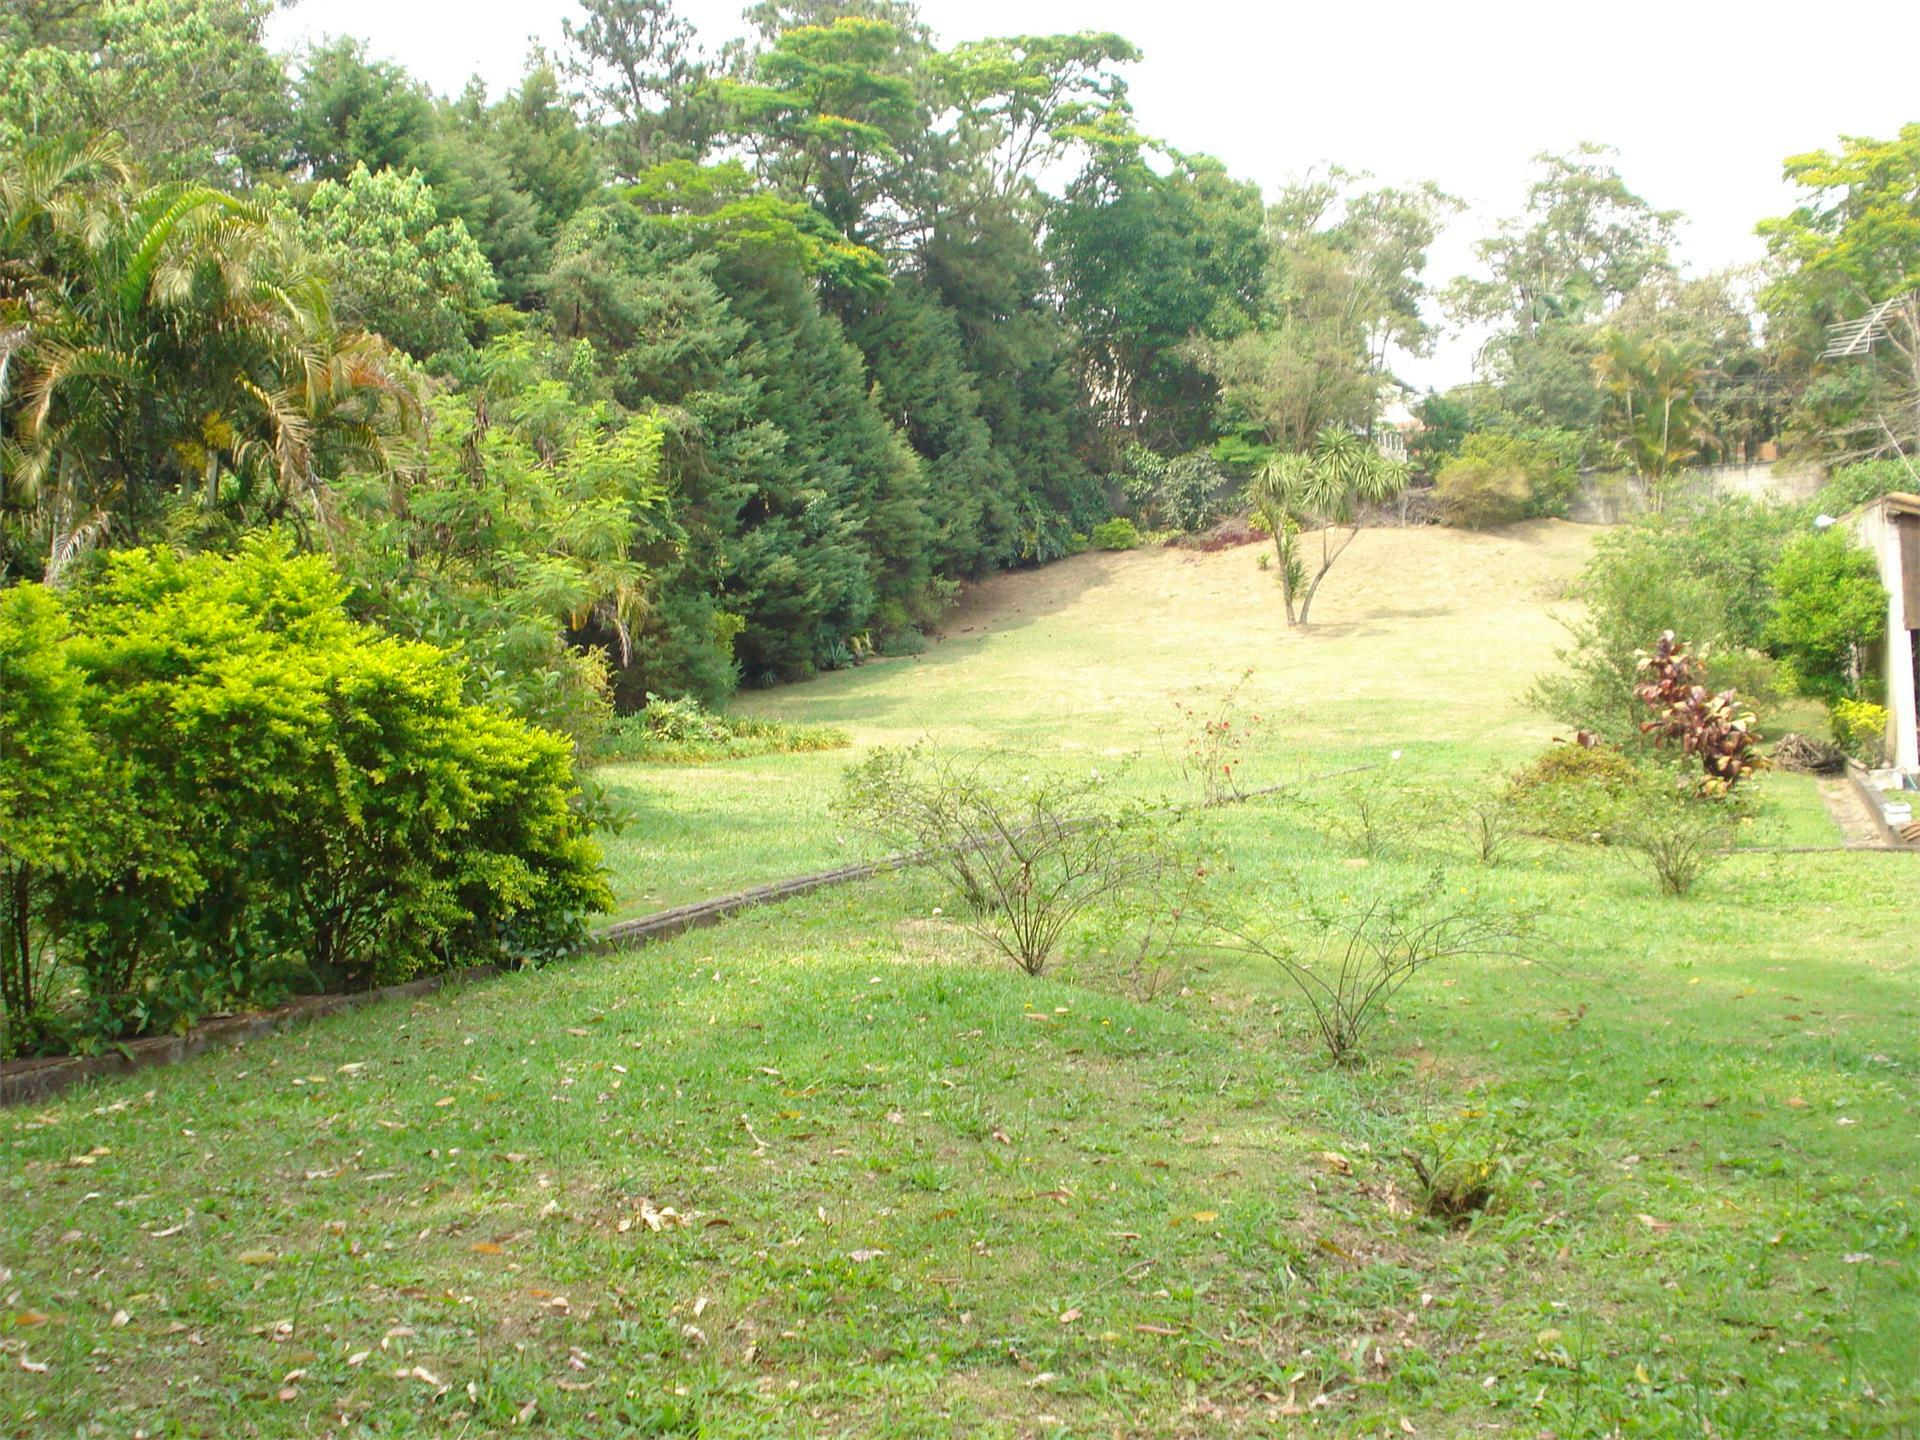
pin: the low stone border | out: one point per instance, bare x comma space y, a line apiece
24, 1080
663, 924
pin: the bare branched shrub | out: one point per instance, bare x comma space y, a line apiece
1361, 816
1677, 838
1209, 741
1349, 959
1147, 931
1029, 853
1492, 825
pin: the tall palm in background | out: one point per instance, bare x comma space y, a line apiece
1656, 424
167, 361
1324, 489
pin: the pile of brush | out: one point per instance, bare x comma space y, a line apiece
1810, 757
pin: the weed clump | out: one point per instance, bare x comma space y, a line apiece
685, 732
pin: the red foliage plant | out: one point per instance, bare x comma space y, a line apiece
1713, 727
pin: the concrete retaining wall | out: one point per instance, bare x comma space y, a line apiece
1608, 498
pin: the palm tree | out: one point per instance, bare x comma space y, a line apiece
1324, 489
164, 345
1649, 385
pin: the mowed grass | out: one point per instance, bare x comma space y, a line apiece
1424, 641
833, 1170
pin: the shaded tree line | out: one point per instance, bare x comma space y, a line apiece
887, 314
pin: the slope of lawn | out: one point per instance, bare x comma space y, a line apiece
1424, 638
832, 1169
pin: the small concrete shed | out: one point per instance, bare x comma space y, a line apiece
1890, 528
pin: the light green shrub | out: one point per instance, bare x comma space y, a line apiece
1860, 729
1574, 792
1118, 533
1497, 479
1829, 611
684, 731
50, 786
295, 801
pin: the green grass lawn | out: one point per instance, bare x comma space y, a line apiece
1426, 638
831, 1169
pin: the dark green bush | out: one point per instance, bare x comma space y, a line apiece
292, 801
1181, 492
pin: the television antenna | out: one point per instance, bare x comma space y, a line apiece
1858, 337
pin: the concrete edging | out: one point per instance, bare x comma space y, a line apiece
1869, 796
24, 1080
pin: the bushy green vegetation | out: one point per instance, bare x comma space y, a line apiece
229, 791
1860, 729
1852, 486
1496, 479
685, 732
1744, 583
1830, 610
1119, 533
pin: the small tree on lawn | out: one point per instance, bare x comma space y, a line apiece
1322, 489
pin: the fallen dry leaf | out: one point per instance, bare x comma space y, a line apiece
1067, 1317
487, 1247
1335, 1161
1657, 1226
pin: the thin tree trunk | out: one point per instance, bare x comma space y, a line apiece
16, 973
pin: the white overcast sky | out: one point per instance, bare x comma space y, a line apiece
1703, 100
